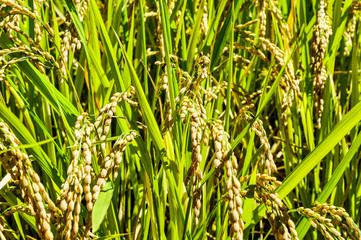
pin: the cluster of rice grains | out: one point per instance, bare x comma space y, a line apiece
350, 30
70, 40
321, 33
32, 191
225, 157
267, 12
82, 183
34, 49
78, 184
333, 222
267, 164
276, 212
23, 46
233, 186
265, 185
192, 104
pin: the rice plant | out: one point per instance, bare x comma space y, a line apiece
180, 119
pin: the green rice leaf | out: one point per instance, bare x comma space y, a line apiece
101, 205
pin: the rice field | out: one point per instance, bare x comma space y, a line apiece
180, 119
